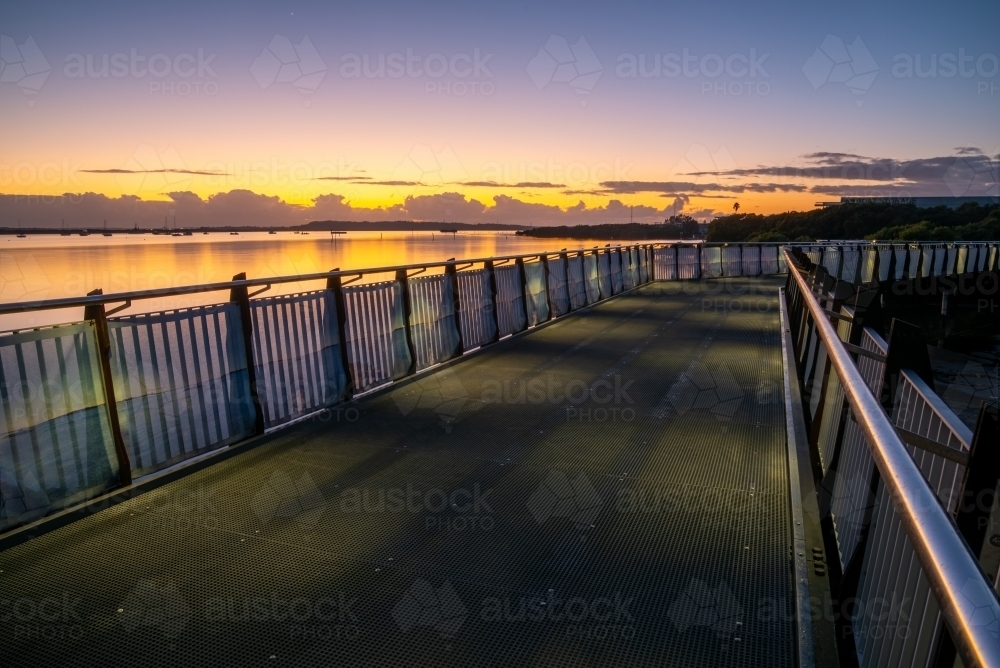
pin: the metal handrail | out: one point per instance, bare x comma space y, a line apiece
89, 300
967, 601
67, 302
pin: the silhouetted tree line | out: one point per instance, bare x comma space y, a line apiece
902, 222
615, 231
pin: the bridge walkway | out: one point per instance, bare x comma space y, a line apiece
609, 489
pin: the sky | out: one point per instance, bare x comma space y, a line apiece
278, 113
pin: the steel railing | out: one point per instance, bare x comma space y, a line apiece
959, 587
89, 406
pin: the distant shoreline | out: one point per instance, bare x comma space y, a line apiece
313, 226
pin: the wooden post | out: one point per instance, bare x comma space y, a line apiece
335, 285
96, 312
241, 297
404, 282
451, 271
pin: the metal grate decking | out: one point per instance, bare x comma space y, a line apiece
473, 516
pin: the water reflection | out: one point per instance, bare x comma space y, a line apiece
52, 266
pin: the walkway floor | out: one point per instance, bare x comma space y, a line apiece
607, 490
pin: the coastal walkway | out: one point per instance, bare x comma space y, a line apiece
610, 488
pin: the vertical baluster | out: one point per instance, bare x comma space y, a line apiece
241, 297
96, 312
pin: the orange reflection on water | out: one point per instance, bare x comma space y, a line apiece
51, 266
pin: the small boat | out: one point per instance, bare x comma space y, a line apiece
22, 236
271, 232
84, 233
204, 232
107, 234
306, 233
188, 234
177, 234
65, 234
234, 234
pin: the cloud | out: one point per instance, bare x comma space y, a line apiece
342, 178
389, 183
243, 207
698, 195
849, 166
678, 187
522, 184
154, 171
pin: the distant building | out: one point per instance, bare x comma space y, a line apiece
921, 202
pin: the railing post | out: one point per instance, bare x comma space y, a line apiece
597, 263
451, 271
564, 259
677, 262
96, 313
522, 281
241, 296
876, 264
545, 272
404, 284
697, 256
335, 285
492, 277
980, 483
907, 350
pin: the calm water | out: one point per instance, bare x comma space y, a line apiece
52, 266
